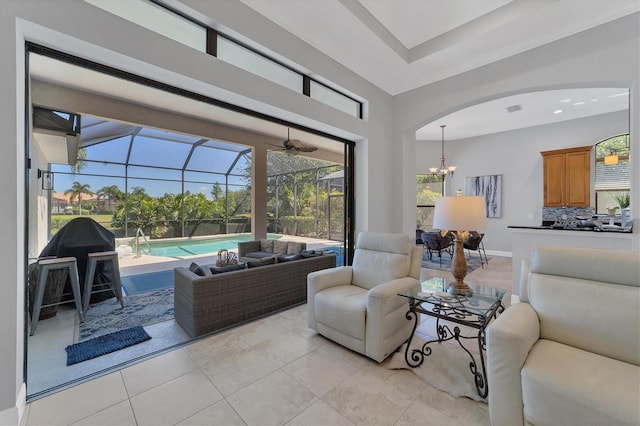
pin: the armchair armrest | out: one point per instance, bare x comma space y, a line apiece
509, 339
387, 322
323, 279
384, 298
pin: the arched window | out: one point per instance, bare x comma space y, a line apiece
612, 174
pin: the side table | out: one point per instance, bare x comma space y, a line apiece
475, 311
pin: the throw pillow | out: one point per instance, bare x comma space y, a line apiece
280, 247
229, 268
266, 245
289, 257
294, 248
309, 253
263, 262
196, 269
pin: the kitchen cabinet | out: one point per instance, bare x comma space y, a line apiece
567, 181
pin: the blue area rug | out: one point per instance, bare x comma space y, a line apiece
140, 309
105, 344
134, 284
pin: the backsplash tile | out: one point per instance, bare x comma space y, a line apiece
553, 213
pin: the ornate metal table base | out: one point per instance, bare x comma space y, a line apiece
415, 357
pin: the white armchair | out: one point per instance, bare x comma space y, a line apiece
358, 306
569, 353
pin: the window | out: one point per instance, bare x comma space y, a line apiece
175, 26
612, 181
428, 188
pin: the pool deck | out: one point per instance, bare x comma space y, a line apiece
132, 265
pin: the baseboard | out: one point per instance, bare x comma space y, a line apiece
14, 416
499, 253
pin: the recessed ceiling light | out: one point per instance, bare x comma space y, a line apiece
594, 100
578, 103
565, 100
558, 111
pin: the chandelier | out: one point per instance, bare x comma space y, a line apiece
443, 170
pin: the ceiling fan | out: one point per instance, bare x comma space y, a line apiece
295, 146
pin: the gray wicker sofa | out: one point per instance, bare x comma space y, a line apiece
258, 249
204, 304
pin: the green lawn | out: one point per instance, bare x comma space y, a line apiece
59, 220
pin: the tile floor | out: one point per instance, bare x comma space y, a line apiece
269, 372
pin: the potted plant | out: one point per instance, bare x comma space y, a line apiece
612, 211
623, 199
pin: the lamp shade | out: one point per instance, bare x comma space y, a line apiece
460, 213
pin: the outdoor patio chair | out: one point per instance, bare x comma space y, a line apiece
438, 243
474, 243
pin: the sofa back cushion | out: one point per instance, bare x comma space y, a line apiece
588, 299
381, 257
266, 245
280, 246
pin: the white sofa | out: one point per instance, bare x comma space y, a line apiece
569, 354
358, 306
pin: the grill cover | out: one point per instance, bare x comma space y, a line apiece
78, 238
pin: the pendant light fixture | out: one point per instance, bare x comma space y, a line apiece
443, 170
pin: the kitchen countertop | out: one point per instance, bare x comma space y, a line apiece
586, 229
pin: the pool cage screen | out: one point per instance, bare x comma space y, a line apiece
171, 185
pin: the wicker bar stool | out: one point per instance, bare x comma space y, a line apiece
46, 265
115, 285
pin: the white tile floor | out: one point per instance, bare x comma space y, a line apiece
271, 371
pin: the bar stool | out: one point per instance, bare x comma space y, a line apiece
46, 265
115, 285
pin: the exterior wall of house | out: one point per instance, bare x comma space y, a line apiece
605, 56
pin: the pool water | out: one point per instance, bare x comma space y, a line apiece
194, 247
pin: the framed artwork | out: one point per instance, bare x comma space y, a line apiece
490, 187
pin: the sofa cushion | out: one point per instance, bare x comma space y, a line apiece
310, 253
343, 308
264, 261
294, 248
197, 269
289, 257
266, 245
228, 268
280, 247
592, 319
259, 254
565, 385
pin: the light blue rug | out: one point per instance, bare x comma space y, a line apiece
140, 309
141, 283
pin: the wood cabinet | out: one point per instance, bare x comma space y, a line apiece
567, 181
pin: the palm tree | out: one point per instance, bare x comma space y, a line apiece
76, 191
112, 193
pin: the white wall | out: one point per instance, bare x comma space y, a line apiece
516, 156
605, 56
78, 28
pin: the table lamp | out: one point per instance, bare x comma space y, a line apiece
460, 214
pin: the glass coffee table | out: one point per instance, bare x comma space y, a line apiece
475, 311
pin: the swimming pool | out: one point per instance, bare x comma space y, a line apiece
179, 248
